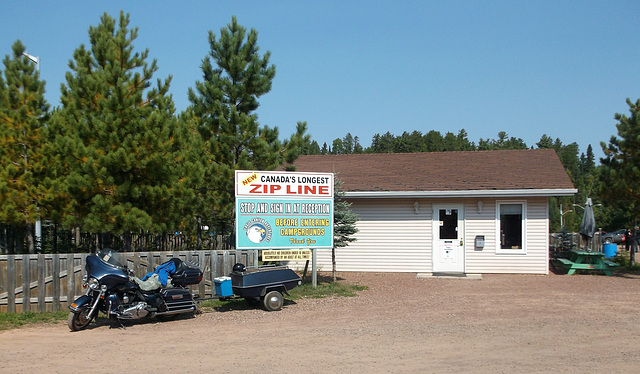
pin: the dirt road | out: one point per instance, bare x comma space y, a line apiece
400, 324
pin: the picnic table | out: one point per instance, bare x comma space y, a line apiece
583, 260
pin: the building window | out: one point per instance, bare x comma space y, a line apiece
511, 227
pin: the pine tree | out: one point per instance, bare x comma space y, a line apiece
621, 166
310, 147
463, 143
337, 147
434, 141
23, 114
116, 135
344, 224
235, 75
325, 149
545, 142
382, 143
503, 142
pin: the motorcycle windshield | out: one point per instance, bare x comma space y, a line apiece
106, 267
111, 257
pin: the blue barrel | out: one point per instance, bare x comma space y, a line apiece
609, 250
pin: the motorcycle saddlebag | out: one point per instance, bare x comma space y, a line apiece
178, 299
186, 275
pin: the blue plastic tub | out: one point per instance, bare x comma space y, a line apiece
610, 250
223, 286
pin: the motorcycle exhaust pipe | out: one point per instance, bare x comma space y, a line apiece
177, 311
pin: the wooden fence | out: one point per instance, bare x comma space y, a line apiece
573, 240
49, 282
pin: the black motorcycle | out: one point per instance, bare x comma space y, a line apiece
113, 289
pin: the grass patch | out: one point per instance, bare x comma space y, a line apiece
207, 306
325, 289
306, 290
623, 258
14, 320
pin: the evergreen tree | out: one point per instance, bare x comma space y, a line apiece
545, 142
23, 114
349, 144
621, 165
357, 147
503, 142
116, 135
587, 162
463, 143
235, 75
434, 141
338, 147
344, 224
382, 143
310, 147
408, 142
450, 142
325, 149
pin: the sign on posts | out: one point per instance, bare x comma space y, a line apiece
283, 210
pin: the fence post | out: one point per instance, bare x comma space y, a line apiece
71, 283
55, 278
11, 284
26, 284
42, 284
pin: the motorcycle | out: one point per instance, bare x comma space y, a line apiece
113, 289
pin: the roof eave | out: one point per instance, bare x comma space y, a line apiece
460, 194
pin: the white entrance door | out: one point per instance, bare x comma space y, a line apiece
448, 240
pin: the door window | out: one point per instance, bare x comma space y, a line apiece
448, 223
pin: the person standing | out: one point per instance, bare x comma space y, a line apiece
627, 240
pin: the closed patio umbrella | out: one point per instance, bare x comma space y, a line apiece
588, 224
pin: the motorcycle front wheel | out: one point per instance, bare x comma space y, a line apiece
79, 320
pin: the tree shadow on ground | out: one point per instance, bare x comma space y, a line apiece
124, 324
322, 278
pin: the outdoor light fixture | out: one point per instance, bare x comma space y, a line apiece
416, 207
480, 205
34, 59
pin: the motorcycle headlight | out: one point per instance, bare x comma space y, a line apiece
93, 284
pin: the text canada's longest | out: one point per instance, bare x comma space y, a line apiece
283, 184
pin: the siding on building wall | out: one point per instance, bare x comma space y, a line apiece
535, 261
394, 238
391, 238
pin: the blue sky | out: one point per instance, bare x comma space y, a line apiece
561, 68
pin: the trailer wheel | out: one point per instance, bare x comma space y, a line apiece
273, 301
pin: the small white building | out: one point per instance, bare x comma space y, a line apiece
446, 212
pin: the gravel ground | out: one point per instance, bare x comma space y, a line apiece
400, 324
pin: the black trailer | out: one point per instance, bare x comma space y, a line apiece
260, 285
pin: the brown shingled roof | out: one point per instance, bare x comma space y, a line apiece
443, 171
